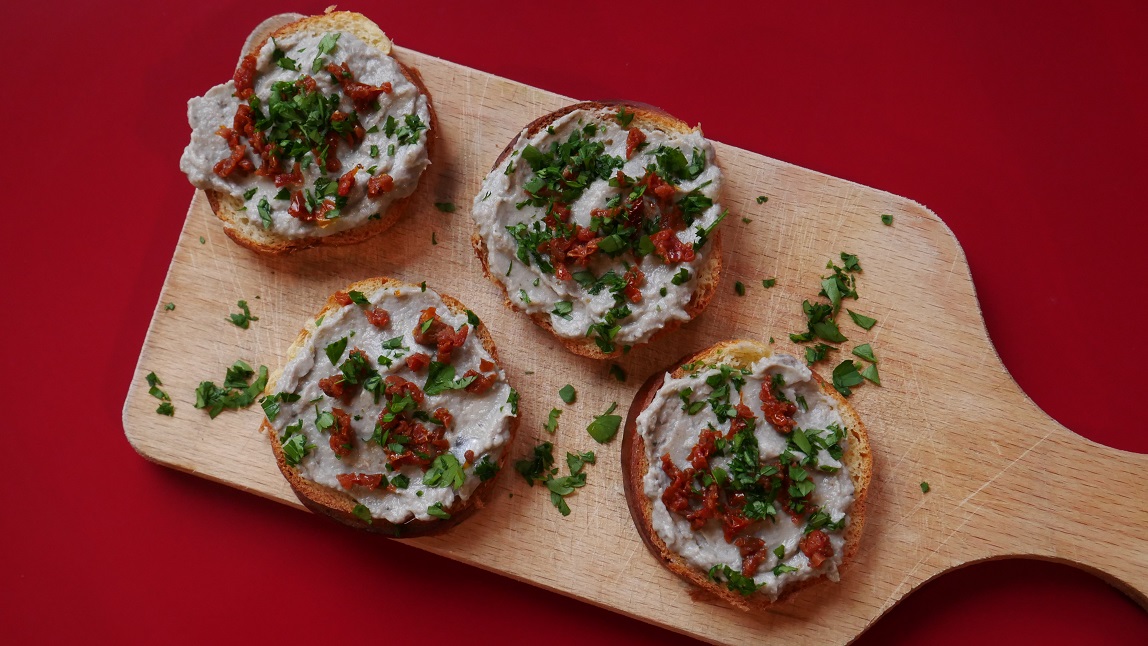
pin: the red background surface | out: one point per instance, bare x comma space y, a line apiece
1023, 127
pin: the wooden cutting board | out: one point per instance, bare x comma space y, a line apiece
1006, 480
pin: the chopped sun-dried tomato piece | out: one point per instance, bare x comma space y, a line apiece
671, 248
676, 497
397, 387
245, 77
634, 139
368, 480
341, 433
443, 415
634, 279
481, 383
378, 317
295, 177
418, 361
430, 330
347, 182
816, 546
361, 94
380, 184
779, 413
753, 553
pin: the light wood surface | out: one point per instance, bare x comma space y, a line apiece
1006, 479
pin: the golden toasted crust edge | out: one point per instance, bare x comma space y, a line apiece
225, 206
710, 272
858, 458
337, 503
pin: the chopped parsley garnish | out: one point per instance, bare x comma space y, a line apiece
362, 513
563, 309
768, 282
236, 392
568, 394
617, 372
735, 581
242, 319
861, 320
924, 487
551, 424
445, 471
865, 351
437, 511
562, 487
265, 212
577, 461
624, 118
335, 350
271, 404
165, 407
485, 469
605, 426
445, 207
537, 468
294, 443
440, 378
846, 377
886, 219
816, 353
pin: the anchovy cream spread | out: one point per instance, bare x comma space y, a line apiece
601, 225
746, 477
316, 134
393, 400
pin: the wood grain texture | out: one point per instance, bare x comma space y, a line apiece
1006, 479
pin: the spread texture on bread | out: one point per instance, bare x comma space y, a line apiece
600, 222
745, 474
317, 138
392, 411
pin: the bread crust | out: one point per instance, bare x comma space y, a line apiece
226, 206
708, 276
858, 458
338, 504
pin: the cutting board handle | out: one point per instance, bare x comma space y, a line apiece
1067, 499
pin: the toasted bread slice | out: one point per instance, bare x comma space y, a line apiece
247, 232
648, 118
336, 502
857, 458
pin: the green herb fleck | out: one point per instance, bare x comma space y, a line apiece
605, 426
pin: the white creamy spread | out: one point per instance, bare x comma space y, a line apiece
537, 291
668, 429
368, 65
481, 422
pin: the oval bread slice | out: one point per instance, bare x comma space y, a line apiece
704, 283
857, 458
246, 231
343, 504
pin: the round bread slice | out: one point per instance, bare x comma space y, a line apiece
485, 421
856, 460
363, 217
683, 305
